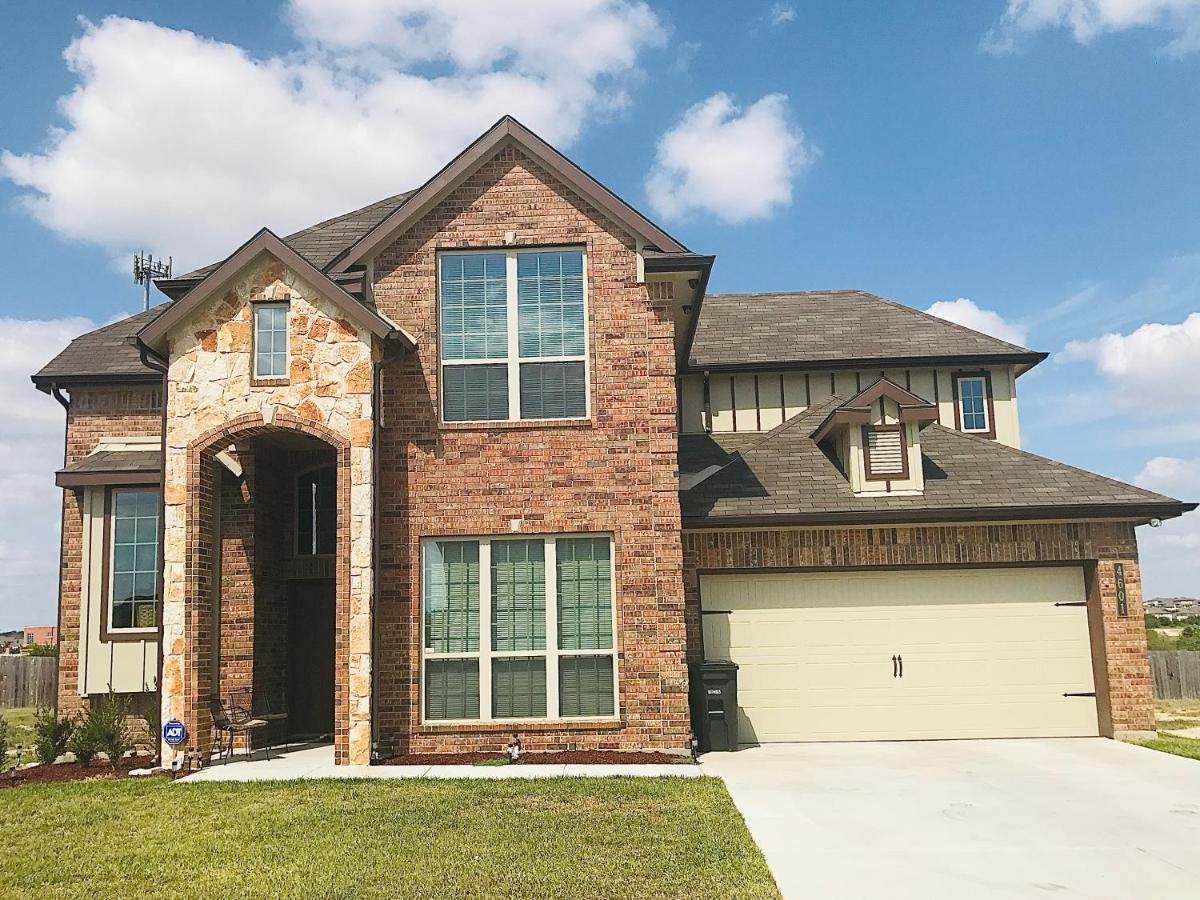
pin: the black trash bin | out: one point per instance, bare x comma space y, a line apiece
714, 705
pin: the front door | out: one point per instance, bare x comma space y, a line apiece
311, 653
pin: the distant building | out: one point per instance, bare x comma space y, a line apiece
39, 634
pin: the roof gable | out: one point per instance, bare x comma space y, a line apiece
835, 329
507, 130
264, 242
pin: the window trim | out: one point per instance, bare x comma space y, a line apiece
984, 376
108, 634
296, 512
512, 360
255, 377
551, 653
866, 451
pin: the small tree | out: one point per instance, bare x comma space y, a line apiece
51, 735
113, 729
3, 744
84, 741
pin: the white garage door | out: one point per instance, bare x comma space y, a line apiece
977, 653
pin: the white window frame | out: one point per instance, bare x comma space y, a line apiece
513, 359
287, 350
962, 409
111, 550
485, 654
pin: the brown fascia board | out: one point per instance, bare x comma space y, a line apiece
684, 262
507, 129
1137, 512
46, 383
685, 347
174, 288
885, 387
66, 479
841, 417
265, 241
1029, 360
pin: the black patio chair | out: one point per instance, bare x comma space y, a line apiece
230, 719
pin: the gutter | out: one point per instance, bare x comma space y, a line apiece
376, 428
1144, 512
895, 362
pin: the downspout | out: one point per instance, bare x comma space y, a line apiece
153, 360
376, 428
65, 403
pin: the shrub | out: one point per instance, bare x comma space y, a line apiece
84, 741
112, 729
51, 735
41, 650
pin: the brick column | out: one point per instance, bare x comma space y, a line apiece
1124, 663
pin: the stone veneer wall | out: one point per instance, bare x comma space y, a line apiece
95, 413
613, 473
1121, 665
214, 402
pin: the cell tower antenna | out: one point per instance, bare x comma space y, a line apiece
145, 269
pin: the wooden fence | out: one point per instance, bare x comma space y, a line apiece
1176, 673
28, 680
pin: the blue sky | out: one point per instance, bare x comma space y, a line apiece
1036, 158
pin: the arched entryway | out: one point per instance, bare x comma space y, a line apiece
267, 579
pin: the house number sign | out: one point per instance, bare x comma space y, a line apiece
1122, 600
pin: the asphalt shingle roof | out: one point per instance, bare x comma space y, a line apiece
103, 353
321, 243
786, 474
109, 461
829, 326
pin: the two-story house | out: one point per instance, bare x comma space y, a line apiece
483, 458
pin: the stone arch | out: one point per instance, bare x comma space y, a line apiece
201, 579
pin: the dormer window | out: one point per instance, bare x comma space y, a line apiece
884, 454
973, 404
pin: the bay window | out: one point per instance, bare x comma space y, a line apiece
513, 329
518, 628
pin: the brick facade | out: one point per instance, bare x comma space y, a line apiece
1120, 663
614, 473
95, 413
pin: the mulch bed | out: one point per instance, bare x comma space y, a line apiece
557, 758
72, 771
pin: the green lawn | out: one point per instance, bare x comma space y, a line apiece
1172, 743
20, 730
613, 837
1175, 714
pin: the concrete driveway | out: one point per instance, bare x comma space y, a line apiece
1082, 817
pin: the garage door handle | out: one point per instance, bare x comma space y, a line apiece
1080, 694
900, 660
893, 665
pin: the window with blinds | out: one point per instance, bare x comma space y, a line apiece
546, 607
885, 457
513, 335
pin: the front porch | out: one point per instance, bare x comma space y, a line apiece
267, 592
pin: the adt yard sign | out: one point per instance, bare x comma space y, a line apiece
174, 733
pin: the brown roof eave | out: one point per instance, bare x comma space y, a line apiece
1028, 360
1137, 512
46, 383
685, 348
66, 479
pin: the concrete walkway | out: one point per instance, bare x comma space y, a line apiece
317, 762
1081, 818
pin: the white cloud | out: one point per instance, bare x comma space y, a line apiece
965, 312
1152, 370
31, 447
1171, 554
780, 14
732, 163
1089, 19
185, 146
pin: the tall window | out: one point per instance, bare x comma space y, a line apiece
518, 628
972, 403
133, 590
513, 335
270, 340
316, 512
